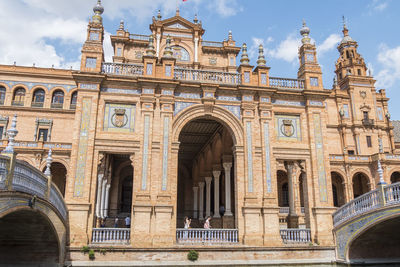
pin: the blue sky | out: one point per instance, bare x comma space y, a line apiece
51, 32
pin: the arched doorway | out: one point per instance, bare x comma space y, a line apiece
337, 189
58, 176
205, 174
395, 177
283, 190
361, 184
28, 238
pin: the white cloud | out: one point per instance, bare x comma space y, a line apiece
328, 44
390, 60
287, 49
226, 8
378, 5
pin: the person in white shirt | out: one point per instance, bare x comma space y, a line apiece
128, 222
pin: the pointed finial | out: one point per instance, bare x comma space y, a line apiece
334, 82
261, 59
380, 173
168, 51
305, 31
177, 11
159, 15
150, 49
49, 160
121, 25
244, 60
230, 36
12, 132
345, 30
195, 20
98, 9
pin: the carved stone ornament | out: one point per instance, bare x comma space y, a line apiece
119, 118
287, 128
363, 94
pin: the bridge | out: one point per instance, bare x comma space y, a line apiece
33, 214
366, 229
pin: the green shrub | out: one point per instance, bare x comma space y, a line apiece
103, 251
85, 249
193, 255
91, 254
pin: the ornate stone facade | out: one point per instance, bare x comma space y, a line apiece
180, 130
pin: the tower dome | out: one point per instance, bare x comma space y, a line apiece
98, 8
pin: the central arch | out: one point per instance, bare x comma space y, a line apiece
221, 133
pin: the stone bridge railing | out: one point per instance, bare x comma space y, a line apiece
199, 235
22, 177
383, 196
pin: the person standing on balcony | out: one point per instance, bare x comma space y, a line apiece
116, 222
128, 222
207, 223
187, 222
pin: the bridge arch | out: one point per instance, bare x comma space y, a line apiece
30, 233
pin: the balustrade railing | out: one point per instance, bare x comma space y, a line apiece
122, 69
285, 83
139, 37
111, 235
358, 205
392, 194
57, 200
199, 235
211, 43
4, 161
285, 210
29, 180
295, 235
206, 76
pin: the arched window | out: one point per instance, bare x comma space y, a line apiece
74, 98
58, 99
180, 53
38, 98
19, 97
126, 194
2, 95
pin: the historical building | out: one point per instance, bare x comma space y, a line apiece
179, 126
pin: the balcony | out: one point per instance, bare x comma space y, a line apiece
37, 104
200, 235
284, 83
140, 37
213, 44
111, 236
368, 122
295, 235
17, 103
122, 69
207, 76
57, 105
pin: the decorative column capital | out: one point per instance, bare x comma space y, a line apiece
289, 166
201, 185
227, 165
216, 174
195, 189
208, 180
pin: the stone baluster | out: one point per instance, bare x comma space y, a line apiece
227, 167
201, 200
195, 196
208, 196
216, 174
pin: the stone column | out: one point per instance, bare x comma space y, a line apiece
293, 220
216, 174
195, 196
208, 196
201, 200
196, 49
227, 168
158, 37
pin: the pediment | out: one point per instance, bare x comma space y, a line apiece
177, 25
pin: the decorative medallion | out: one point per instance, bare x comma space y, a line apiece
363, 94
119, 118
287, 128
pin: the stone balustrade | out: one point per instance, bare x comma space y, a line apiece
295, 235
207, 76
122, 69
392, 194
211, 43
285, 83
111, 235
38, 144
4, 162
199, 235
361, 204
285, 210
140, 37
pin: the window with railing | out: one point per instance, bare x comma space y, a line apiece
74, 99
19, 97
57, 100
2, 95
38, 98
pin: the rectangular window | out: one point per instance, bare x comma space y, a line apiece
365, 115
119, 51
263, 78
346, 110
149, 69
168, 70
1, 132
358, 71
42, 134
380, 114
246, 77
313, 81
351, 152
91, 62
369, 142
232, 61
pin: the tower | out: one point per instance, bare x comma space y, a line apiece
92, 50
309, 69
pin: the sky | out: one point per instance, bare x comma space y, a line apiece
51, 32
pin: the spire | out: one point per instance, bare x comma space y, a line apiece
230, 36
244, 60
195, 20
177, 11
121, 25
159, 15
346, 37
150, 49
49, 160
168, 50
305, 31
12, 132
98, 9
261, 59
380, 173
